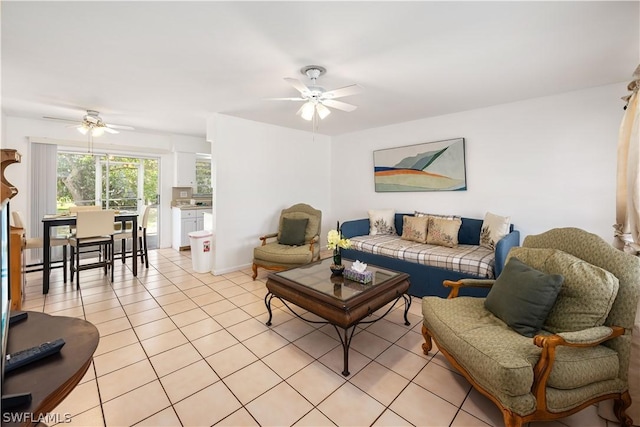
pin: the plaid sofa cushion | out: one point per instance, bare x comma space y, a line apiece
468, 259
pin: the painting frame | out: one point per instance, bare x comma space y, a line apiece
428, 166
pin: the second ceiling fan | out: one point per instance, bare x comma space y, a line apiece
317, 98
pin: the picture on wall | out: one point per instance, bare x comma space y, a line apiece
432, 166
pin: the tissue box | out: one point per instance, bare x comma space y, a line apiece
364, 277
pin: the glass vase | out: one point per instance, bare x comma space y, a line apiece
337, 257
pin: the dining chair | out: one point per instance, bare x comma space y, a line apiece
59, 239
93, 228
76, 209
127, 233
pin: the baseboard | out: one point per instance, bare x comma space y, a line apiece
219, 272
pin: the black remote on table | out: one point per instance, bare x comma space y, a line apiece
23, 357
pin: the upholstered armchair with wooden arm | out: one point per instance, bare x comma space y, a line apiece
579, 355
296, 243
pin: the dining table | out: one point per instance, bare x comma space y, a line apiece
56, 220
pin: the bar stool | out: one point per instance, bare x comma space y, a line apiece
126, 234
93, 228
38, 243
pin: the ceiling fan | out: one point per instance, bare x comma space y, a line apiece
93, 124
316, 97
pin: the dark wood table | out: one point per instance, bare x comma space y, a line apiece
51, 379
69, 219
341, 302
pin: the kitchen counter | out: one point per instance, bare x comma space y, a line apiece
189, 207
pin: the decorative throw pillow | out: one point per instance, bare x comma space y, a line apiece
312, 226
415, 228
382, 222
293, 231
416, 213
586, 296
494, 228
522, 296
443, 232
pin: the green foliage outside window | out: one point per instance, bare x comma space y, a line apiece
203, 177
76, 183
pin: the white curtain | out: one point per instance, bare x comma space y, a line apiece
44, 172
627, 228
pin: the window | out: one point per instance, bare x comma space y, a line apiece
111, 181
203, 176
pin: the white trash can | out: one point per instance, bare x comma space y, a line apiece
201, 250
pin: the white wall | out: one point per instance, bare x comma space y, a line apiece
259, 169
18, 130
546, 162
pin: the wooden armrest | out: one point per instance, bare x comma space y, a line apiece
267, 236
548, 343
466, 283
312, 242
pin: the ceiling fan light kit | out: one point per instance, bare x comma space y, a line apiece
317, 99
92, 125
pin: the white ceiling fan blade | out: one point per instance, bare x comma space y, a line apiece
343, 91
301, 87
285, 99
339, 105
60, 119
123, 127
109, 130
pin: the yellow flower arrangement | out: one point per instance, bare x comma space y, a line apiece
335, 242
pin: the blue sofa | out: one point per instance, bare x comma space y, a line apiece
427, 280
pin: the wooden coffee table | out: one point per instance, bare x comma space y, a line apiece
341, 302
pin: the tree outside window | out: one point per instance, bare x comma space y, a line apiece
203, 176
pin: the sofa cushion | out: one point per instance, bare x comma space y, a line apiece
293, 231
382, 222
443, 232
467, 259
500, 359
523, 296
415, 228
586, 296
494, 228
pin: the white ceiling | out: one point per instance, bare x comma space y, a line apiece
167, 66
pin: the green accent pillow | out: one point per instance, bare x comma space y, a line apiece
293, 231
522, 296
586, 295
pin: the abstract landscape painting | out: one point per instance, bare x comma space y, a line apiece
433, 166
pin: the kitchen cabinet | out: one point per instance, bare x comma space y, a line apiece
185, 169
184, 222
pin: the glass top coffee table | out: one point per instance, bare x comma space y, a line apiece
343, 303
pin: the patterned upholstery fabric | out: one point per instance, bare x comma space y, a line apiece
625, 267
587, 293
277, 253
382, 222
415, 228
469, 259
444, 232
501, 361
274, 256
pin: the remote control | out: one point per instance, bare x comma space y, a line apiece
22, 357
16, 317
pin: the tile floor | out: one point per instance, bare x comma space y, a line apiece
181, 348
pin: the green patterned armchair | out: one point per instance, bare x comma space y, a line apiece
580, 354
296, 243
